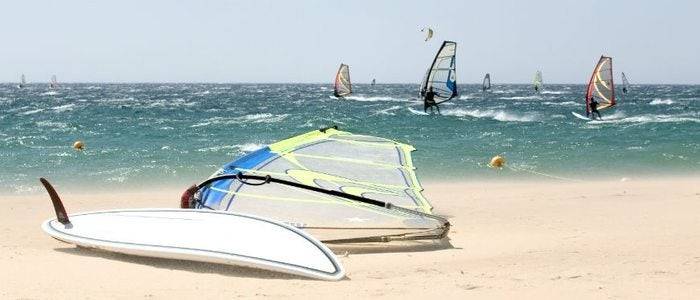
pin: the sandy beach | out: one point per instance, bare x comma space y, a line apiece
538, 239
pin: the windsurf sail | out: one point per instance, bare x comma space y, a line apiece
442, 75
22, 81
601, 86
339, 186
625, 84
342, 81
428, 33
53, 83
374, 81
537, 82
486, 84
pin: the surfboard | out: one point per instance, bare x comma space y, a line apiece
197, 235
582, 117
417, 112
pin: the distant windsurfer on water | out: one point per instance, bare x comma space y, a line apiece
594, 109
537, 88
429, 101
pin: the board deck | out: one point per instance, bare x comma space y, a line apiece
582, 117
201, 235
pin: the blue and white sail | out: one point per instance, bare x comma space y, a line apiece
442, 75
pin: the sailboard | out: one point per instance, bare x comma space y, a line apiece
196, 235
428, 33
338, 186
53, 83
537, 81
342, 86
442, 74
625, 84
486, 84
601, 86
22, 82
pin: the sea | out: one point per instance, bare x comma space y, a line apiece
143, 136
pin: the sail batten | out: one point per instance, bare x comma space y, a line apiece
442, 74
601, 86
342, 86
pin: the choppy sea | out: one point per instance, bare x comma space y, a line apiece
144, 135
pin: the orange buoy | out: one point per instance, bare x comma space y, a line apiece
497, 162
78, 145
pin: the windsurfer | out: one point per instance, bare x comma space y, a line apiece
429, 101
594, 109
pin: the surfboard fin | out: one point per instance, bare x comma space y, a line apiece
61, 214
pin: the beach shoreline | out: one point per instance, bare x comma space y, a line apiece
537, 239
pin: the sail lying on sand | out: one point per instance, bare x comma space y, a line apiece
334, 184
342, 85
601, 86
442, 75
486, 84
537, 82
625, 83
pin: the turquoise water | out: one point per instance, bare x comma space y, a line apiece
138, 135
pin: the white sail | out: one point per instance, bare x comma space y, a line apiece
537, 82
342, 85
442, 75
428, 33
54, 83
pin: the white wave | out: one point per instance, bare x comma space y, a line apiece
245, 148
250, 147
374, 98
387, 111
498, 115
565, 103
649, 119
533, 97
62, 108
261, 118
467, 97
658, 101
31, 112
554, 92
51, 124
51, 93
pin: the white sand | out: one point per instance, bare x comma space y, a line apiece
625, 240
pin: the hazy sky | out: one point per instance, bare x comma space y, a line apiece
305, 41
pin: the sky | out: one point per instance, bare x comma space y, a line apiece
304, 41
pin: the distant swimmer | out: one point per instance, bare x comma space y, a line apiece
429, 101
594, 109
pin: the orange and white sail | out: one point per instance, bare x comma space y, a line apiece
601, 86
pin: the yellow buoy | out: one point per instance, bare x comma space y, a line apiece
497, 162
78, 145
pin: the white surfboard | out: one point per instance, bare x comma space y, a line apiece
198, 235
582, 117
417, 112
